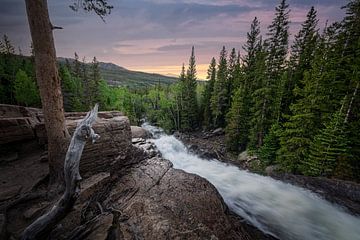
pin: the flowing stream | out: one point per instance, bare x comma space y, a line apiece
277, 208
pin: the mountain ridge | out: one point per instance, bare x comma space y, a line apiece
118, 76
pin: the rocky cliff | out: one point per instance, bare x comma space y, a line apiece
128, 191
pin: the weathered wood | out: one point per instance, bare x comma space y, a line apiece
44, 224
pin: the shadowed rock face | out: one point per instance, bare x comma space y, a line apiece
129, 192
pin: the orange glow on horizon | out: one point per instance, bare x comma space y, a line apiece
172, 70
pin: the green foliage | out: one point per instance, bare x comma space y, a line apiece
189, 104
267, 152
25, 90
329, 150
238, 122
209, 88
220, 96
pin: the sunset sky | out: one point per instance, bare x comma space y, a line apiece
157, 35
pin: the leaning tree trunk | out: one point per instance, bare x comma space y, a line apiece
44, 224
49, 86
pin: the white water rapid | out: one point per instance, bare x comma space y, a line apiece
282, 210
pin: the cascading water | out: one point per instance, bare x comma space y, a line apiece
282, 210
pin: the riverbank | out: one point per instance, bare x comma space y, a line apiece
211, 145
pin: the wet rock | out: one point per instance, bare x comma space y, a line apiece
139, 132
269, 170
343, 193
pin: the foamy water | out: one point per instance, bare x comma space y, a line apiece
276, 208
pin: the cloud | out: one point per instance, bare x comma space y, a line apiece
146, 32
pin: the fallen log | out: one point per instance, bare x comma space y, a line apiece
44, 224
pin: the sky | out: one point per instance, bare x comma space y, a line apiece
156, 35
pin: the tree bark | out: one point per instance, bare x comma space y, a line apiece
49, 86
42, 226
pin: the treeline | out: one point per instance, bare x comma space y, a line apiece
295, 106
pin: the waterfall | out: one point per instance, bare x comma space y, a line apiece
277, 208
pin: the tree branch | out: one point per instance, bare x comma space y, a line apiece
44, 224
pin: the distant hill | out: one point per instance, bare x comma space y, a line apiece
115, 75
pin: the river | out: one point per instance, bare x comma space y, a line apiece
276, 208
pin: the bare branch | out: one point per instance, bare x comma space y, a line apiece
44, 224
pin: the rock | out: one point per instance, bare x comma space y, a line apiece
93, 184
16, 129
2, 226
243, 156
109, 152
271, 169
218, 131
343, 193
159, 202
9, 157
35, 210
10, 192
101, 227
139, 132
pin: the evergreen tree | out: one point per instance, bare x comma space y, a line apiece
231, 74
220, 98
317, 100
250, 47
189, 114
261, 96
329, 152
25, 90
237, 121
209, 87
267, 152
94, 82
302, 54
6, 47
277, 47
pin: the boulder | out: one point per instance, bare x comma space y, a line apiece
159, 202
110, 151
139, 132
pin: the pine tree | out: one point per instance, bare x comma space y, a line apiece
319, 97
231, 74
302, 54
250, 47
350, 66
189, 114
267, 152
237, 127
261, 97
25, 90
220, 98
95, 82
330, 152
209, 87
6, 47
277, 47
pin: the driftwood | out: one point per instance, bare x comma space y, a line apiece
44, 224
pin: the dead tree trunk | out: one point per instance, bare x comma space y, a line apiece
44, 224
49, 86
